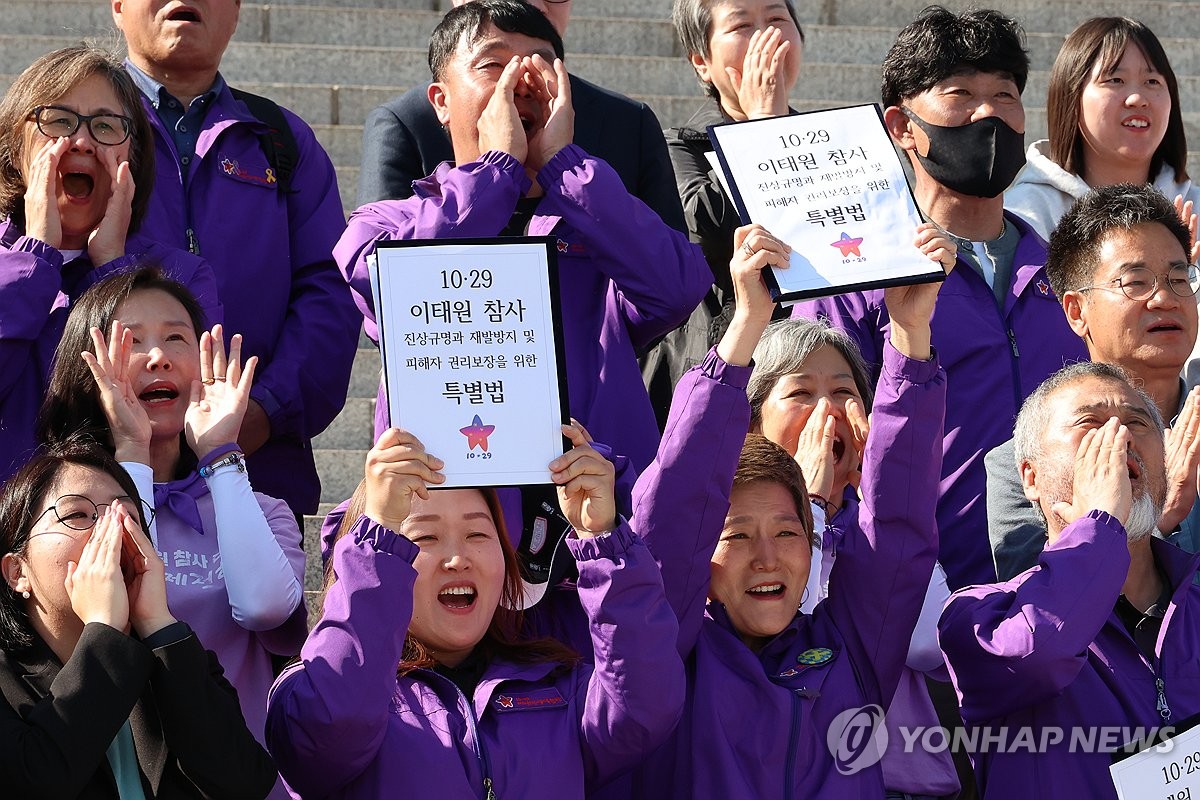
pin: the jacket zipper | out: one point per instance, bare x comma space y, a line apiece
1164, 710
789, 777
477, 743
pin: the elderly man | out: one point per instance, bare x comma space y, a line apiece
246, 185
626, 277
952, 89
1119, 261
403, 139
1099, 642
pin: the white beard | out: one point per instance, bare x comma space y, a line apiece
1143, 518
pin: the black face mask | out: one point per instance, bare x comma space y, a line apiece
980, 158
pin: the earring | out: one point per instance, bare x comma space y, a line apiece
25, 594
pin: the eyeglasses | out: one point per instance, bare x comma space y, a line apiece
1140, 283
79, 513
106, 129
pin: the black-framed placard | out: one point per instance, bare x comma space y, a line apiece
830, 184
471, 339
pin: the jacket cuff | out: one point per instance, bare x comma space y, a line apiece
383, 540
611, 545
175, 632
908, 369
38, 248
506, 163
719, 370
552, 171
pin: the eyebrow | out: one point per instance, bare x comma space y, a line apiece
1128, 265
743, 518
493, 45
171, 323
437, 517
844, 376
1105, 408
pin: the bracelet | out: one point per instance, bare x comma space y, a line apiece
234, 459
819, 502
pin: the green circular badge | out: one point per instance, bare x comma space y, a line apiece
818, 655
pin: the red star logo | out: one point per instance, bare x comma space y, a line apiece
847, 245
562, 246
477, 434
229, 165
505, 701
1044, 288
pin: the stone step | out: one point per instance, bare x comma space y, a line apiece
340, 471
352, 428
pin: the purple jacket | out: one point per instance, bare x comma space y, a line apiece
272, 255
754, 724
625, 277
36, 294
1046, 651
993, 361
341, 724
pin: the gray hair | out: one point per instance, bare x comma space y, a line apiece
786, 345
1034, 416
693, 25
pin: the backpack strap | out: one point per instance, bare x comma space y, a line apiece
278, 143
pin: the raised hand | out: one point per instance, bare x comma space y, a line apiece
754, 249
398, 468
115, 367
95, 583
586, 485
107, 242
814, 450
218, 400
911, 307
41, 193
551, 88
1183, 459
1101, 475
500, 125
766, 76
145, 577
1186, 212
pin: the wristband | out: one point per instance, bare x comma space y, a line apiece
818, 501
234, 459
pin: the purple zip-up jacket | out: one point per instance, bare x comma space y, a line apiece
993, 361
625, 277
754, 725
341, 724
272, 255
37, 292
1046, 650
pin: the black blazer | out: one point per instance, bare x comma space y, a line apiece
57, 721
403, 142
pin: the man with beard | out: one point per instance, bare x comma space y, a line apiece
952, 88
1101, 638
1119, 261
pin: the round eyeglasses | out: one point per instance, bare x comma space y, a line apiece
106, 129
79, 513
1142, 283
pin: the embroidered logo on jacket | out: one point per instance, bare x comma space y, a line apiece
233, 169
535, 700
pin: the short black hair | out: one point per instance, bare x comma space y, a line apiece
1075, 243
469, 19
940, 43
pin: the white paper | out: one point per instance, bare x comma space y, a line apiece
1169, 771
715, 163
467, 338
829, 183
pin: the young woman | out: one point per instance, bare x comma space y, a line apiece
733, 528
76, 170
746, 54
1114, 117
103, 693
162, 393
420, 679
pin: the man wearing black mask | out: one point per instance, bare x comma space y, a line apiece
952, 88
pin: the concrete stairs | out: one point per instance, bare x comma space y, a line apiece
332, 61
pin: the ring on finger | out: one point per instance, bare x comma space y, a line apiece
749, 250
218, 377
209, 381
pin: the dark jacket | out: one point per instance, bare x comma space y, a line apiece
57, 720
403, 142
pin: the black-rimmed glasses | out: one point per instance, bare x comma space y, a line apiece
1141, 283
106, 129
79, 513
